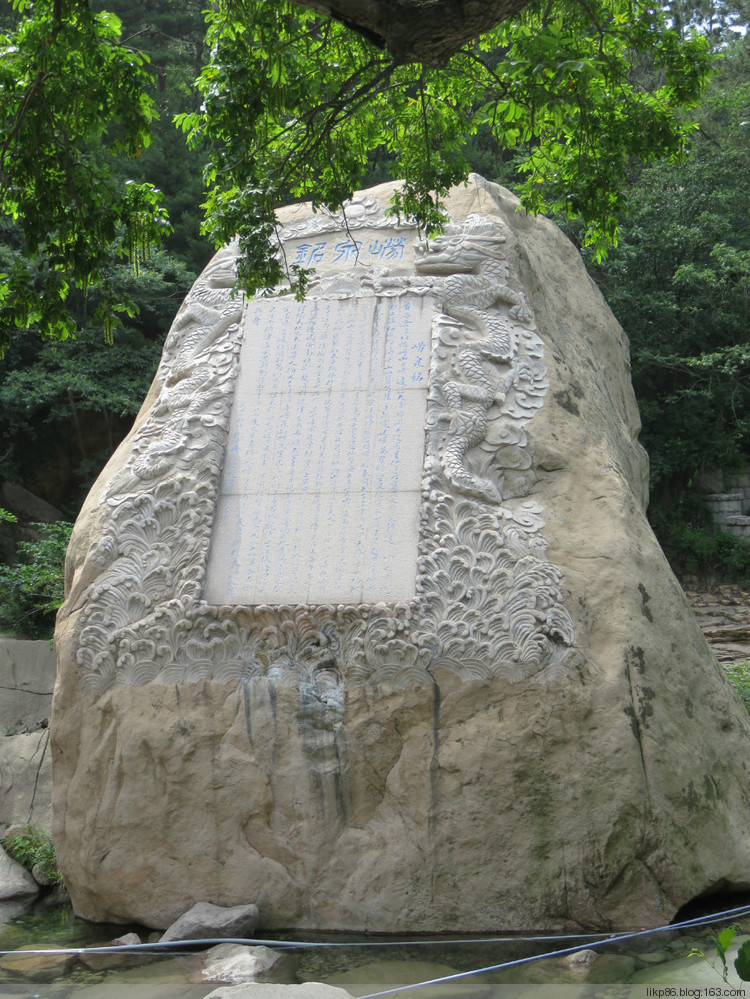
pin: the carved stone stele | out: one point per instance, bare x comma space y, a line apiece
365, 622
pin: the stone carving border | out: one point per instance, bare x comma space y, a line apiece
488, 603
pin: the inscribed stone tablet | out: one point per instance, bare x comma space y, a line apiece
320, 494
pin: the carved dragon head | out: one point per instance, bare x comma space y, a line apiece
461, 247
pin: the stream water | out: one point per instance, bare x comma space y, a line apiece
354, 964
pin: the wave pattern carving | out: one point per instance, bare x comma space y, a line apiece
488, 602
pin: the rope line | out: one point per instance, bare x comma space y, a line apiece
616, 938
595, 940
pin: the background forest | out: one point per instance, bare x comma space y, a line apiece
678, 281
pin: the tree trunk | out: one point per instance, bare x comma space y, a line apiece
427, 31
76, 424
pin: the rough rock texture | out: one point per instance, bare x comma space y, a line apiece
429, 32
111, 960
234, 963
37, 967
541, 739
133, 990
205, 920
27, 679
26, 780
15, 880
723, 614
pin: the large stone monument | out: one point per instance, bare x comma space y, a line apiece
365, 622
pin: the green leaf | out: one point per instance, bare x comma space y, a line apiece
724, 939
742, 962
294, 105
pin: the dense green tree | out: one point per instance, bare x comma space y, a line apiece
679, 282
171, 35
70, 95
295, 105
297, 96
74, 401
32, 587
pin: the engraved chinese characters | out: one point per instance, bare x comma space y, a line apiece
320, 495
354, 523
433, 745
373, 248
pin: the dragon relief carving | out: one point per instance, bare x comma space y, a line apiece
150, 558
490, 359
488, 603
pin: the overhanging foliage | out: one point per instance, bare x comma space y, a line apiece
295, 104
70, 96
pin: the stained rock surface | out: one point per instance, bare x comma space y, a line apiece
235, 964
27, 678
538, 738
25, 780
15, 880
723, 614
204, 920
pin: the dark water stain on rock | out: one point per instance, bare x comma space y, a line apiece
563, 399
645, 597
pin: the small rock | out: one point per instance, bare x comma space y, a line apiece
308, 990
15, 880
235, 963
111, 961
581, 960
127, 940
37, 967
41, 877
206, 920
609, 968
655, 957
17, 829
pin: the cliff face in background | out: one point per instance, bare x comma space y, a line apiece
538, 737
27, 678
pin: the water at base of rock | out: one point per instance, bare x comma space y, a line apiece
357, 969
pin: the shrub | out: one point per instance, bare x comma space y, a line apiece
32, 847
739, 676
695, 546
32, 590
